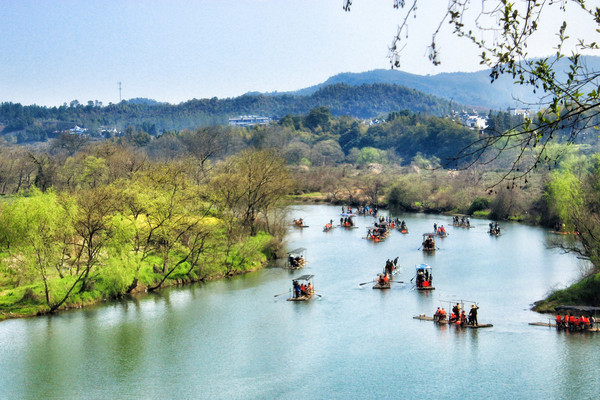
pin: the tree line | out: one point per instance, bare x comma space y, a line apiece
32, 123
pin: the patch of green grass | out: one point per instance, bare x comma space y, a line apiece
585, 292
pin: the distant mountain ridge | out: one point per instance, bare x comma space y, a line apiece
469, 88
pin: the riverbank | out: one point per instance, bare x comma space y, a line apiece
585, 293
22, 301
25, 303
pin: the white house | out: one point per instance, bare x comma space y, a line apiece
249, 120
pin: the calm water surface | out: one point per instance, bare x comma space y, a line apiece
233, 339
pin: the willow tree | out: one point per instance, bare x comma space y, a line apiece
37, 234
93, 228
573, 193
504, 32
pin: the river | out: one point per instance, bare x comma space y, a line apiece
233, 339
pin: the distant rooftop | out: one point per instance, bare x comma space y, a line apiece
249, 120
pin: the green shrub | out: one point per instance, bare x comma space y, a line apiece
479, 204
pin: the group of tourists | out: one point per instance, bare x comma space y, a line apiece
424, 278
428, 243
360, 210
400, 225
302, 289
365, 210
494, 228
298, 222
573, 323
457, 316
439, 230
461, 221
377, 233
346, 222
390, 266
383, 279
295, 261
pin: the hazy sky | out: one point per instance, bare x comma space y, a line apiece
55, 51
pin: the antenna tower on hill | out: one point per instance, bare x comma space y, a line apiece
120, 92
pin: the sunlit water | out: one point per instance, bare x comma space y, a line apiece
233, 339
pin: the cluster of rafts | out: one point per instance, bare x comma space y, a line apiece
303, 286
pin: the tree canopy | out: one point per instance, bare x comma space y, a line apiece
502, 31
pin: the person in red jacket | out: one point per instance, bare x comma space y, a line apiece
585, 321
571, 321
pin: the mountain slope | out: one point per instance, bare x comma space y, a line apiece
469, 88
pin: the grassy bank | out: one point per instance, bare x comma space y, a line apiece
111, 283
585, 292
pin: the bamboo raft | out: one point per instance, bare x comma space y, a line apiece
552, 325
426, 288
382, 285
548, 324
305, 297
423, 317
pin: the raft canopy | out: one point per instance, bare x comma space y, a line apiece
303, 278
423, 267
580, 309
298, 251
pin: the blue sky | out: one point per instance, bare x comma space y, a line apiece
55, 51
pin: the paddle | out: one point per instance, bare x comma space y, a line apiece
364, 283
281, 294
397, 282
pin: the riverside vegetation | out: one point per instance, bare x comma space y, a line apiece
87, 220
116, 223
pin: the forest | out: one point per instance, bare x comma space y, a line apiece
34, 123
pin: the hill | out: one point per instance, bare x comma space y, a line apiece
35, 123
470, 88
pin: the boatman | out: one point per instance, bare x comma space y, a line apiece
473, 315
